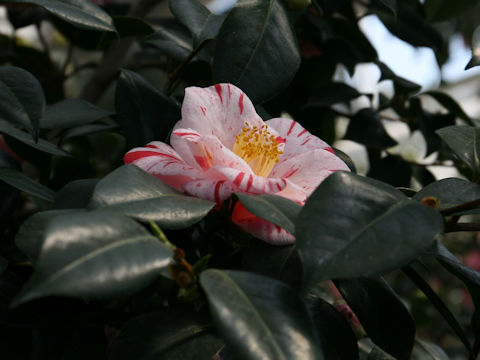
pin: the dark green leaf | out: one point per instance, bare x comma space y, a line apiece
451, 105
197, 18
22, 136
401, 84
451, 192
85, 130
81, 13
75, 195
95, 255
441, 10
30, 236
22, 182
256, 49
366, 229
188, 336
382, 314
173, 42
71, 112
437, 302
336, 335
392, 169
133, 192
260, 318
366, 127
465, 143
391, 5
332, 93
22, 100
275, 209
132, 26
144, 113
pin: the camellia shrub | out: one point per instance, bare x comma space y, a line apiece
170, 186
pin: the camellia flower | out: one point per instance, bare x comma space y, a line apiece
222, 146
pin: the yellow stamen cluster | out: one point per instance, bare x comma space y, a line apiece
258, 147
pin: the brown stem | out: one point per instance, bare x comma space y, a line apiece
474, 204
462, 227
114, 57
174, 74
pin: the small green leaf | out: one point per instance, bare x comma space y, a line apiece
173, 42
256, 49
22, 182
144, 113
332, 93
71, 112
465, 143
22, 100
133, 192
276, 209
260, 318
197, 18
22, 136
366, 229
95, 255
382, 314
451, 105
81, 13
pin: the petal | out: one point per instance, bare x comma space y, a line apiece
219, 110
204, 152
297, 139
309, 169
294, 192
260, 228
247, 182
208, 189
161, 160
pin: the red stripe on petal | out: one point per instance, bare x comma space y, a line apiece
278, 228
218, 87
330, 150
249, 182
280, 140
204, 110
291, 128
229, 91
238, 179
216, 192
302, 132
290, 173
203, 162
279, 187
179, 133
306, 141
135, 155
240, 102
150, 146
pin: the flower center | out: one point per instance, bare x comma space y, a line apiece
259, 149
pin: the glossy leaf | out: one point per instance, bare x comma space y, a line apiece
197, 18
81, 13
75, 194
382, 314
275, 209
71, 112
144, 113
465, 143
173, 42
260, 318
424, 350
25, 138
401, 84
188, 336
22, 182
22, 100
30, 236
451, 192
256, 49
332, 93
95, 255
133, 192
367, 228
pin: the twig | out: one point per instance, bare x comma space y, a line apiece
174, 74
475, 204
